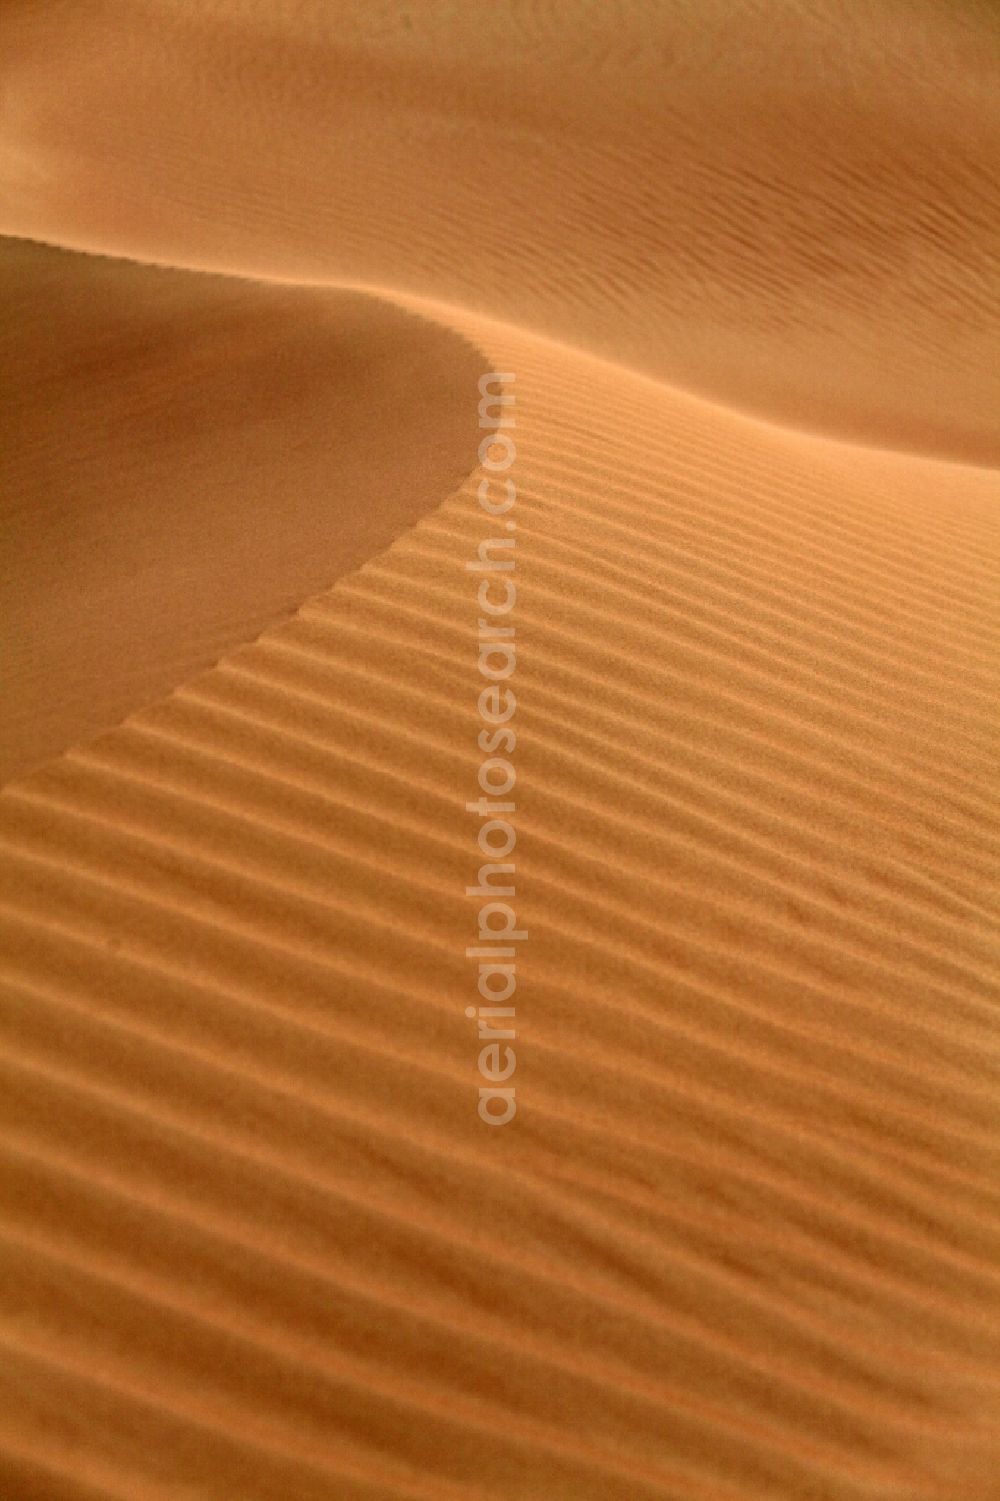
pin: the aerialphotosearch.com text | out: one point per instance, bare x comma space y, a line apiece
498, 934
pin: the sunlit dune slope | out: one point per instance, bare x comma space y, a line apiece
740, 1241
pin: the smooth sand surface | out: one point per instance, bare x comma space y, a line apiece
188, 458
741, 1241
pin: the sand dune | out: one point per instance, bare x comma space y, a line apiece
741, 1239
790, 205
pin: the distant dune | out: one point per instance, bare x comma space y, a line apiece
588, 574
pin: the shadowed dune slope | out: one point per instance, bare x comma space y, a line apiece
185, 459
741, 1240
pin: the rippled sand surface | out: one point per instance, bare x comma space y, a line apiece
735, 266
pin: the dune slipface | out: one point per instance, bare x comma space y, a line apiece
187, 458
681, 722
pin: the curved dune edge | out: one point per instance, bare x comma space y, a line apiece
186, 459
741, 1239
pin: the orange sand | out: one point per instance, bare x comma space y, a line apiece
740, 1241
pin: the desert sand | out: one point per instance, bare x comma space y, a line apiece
736, 266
